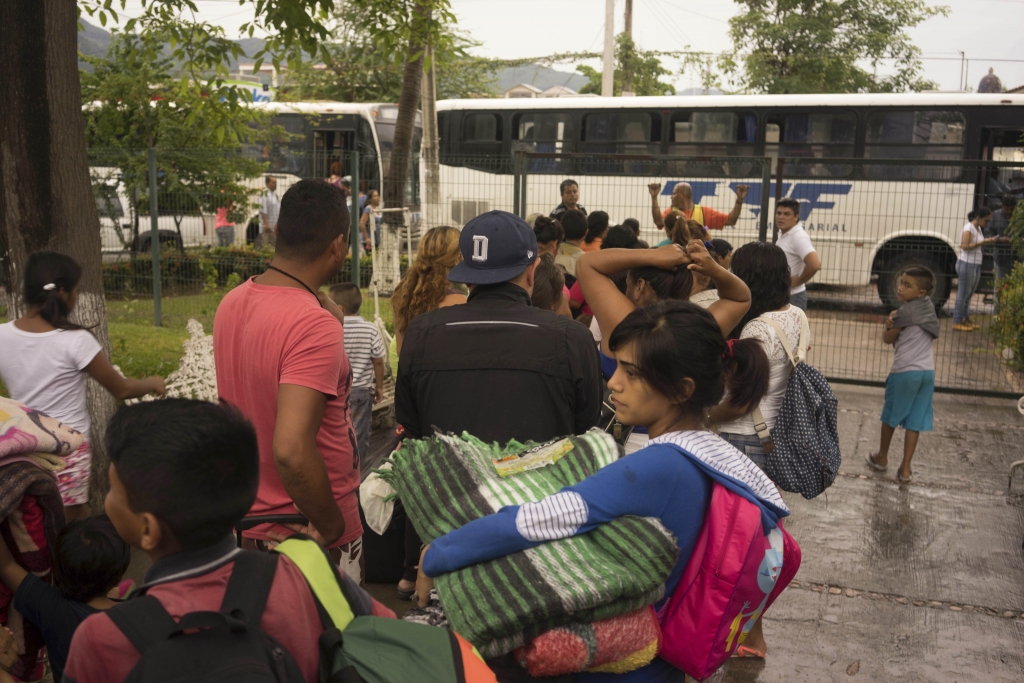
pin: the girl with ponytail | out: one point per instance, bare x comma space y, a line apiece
672, 361
46, 358
671, 272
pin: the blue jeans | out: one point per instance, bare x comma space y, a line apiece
749, 445
361, 408
799, 300
225, 235
969, 275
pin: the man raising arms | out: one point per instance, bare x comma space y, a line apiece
682, 200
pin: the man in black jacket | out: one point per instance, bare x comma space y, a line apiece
496, 367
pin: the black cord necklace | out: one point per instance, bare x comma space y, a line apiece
271, 267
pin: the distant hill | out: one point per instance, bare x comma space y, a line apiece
539, 77
95, 41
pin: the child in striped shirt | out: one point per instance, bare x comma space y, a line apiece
365, 350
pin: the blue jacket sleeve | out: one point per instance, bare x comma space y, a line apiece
644, 484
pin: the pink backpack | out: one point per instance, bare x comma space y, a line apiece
734, 575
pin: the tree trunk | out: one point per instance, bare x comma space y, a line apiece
398, 167
408, 103
46, 200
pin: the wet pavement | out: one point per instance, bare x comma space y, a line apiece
847, 327
921, 582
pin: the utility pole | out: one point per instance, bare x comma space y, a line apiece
608, 74
627, 62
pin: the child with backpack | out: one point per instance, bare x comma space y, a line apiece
912, 328
182, 474
89, 559
681, 475
46, 359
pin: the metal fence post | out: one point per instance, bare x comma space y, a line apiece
522, 191
515, 184
154, 237
766, 183
355, 234
780, 165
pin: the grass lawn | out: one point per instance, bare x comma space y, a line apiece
140, 349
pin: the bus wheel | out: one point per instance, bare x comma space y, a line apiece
889, 276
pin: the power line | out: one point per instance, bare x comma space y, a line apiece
690, 11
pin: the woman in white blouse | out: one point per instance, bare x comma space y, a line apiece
968, 266
763, 267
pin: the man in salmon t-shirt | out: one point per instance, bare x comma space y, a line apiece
279, 349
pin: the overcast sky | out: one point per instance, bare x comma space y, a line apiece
985, 30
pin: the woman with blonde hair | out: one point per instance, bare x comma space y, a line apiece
424, 288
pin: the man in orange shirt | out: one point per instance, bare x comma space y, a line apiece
682, 200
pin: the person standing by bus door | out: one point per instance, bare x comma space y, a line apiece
794, 240
682, 200
570, 190
1002, 254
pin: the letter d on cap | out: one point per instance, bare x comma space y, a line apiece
479, 248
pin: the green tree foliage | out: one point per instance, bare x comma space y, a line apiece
823, 46
358, 69
134, 101
643, 69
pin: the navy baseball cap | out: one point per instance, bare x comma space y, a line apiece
496, 247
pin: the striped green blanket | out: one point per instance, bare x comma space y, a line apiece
446, 481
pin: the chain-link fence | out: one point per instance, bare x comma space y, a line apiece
214, 214
869, 221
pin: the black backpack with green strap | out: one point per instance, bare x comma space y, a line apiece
369, 649
227, 646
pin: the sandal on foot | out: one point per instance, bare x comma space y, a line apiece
870, 457
744, 652
903, 480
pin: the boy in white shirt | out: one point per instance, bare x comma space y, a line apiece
365, 350
911, 383
793, 239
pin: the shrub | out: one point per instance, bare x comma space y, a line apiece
1008, 328
199, 270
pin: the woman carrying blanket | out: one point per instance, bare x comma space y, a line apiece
671, 358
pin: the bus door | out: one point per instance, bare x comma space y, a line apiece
1001, 144
330, 145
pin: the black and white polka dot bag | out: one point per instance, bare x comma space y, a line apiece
803, 447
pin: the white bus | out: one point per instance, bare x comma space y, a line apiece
320, 133
865, 220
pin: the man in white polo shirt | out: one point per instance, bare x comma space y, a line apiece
793, 239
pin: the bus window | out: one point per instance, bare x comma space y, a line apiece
622, 132
545, 132
481, 128
914, 135
713, 134
811, 134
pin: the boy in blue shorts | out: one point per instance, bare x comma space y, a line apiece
908, 390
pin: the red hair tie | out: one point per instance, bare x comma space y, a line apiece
728, 349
